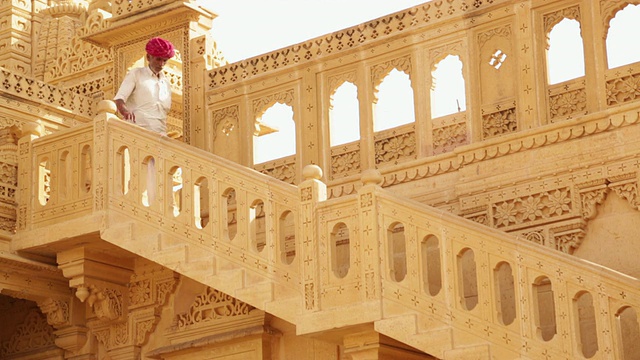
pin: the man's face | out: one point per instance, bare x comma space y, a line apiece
156, 63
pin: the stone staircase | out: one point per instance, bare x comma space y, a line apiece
481, 273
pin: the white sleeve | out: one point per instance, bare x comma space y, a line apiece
127, 86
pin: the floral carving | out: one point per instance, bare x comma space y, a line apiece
623, 89
568, 103
309, 296
210, 306
345, 163
448, 137
396, 148
546, 205
33, 334
498, 123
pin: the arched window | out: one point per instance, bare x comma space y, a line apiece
344, 115
287, 232
340, 250
257, 225
587, 333
629, 332
468, 279
397, 251
279, 143
123, 176
447, 87
431, 265
395, 102
505, 293
620, 51
230, 213
565, 55
545, 309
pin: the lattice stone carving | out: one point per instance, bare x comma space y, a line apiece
34, 334
210, 306
427, 14
41, 92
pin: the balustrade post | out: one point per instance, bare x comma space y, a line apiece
100, 162
372, 242
312, 191
28, 185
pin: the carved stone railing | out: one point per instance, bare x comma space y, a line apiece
46, 95
412, 270
433, 270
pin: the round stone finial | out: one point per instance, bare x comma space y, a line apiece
312, 171
107, 106
371, 177
82, 293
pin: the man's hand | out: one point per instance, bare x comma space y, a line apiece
126, 114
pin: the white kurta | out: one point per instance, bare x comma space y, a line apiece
148, 97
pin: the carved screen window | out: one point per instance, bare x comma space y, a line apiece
394, 106
628, 332
230, 212
468, 279
344, 115
257, 225
587, 332
545, 309
175, 176
65, 183
505, 293
148, 181
44, 181
397, 251
621, 49
340, 250
565, 52
281, 140
123, 175
431, 265
448, 95
287, 232
201, 202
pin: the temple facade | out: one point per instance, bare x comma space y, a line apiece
457, 180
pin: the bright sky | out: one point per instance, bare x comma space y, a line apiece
246, 28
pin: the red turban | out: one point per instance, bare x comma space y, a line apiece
160, 47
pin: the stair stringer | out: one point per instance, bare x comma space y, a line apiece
205, 265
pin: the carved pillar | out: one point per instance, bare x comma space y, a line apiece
15, 39
125, 296
67, 316
8, 178
27, 182
312, 191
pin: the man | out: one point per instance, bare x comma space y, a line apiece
144, 97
